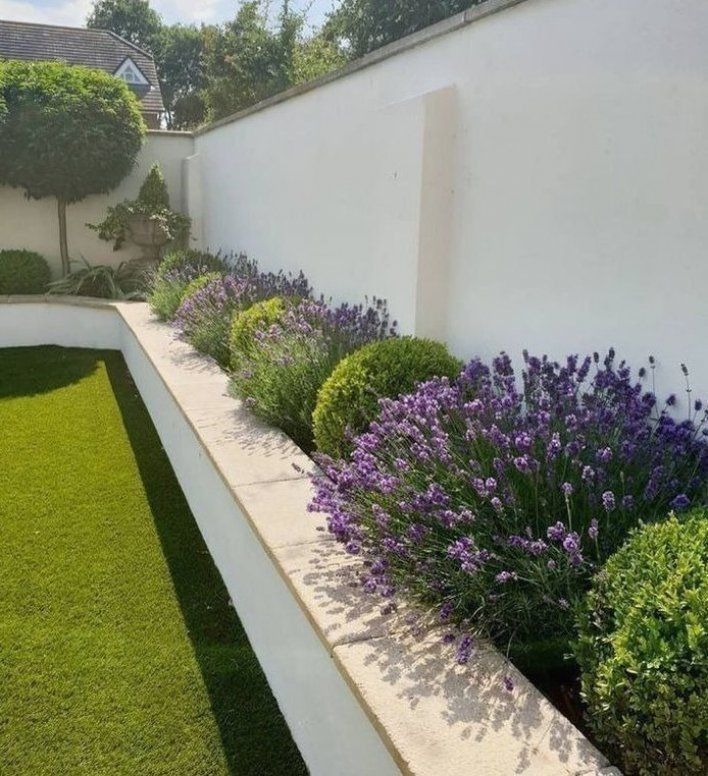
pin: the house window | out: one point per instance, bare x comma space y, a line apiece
131, 73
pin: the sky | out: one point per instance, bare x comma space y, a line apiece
74, 12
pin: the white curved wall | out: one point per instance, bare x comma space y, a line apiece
536, 179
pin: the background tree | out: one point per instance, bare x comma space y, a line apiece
364, 25
182, 76
178, 51
68, 132
250, 58
216, 70
133, 20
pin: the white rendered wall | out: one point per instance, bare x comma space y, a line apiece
331, 730
33, 225
538, 178
68, 325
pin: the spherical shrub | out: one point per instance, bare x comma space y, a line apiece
494, 499
23, 272
261, 316
291, 359
198, 284
175, 273
643, 650
205, 317
349, 399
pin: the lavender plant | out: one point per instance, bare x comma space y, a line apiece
174, 274
204, 318
291, 360
493, 502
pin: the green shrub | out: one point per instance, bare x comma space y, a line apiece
175, 273
349, 399
126, 281
23, 272
192, 259
153, 203
259, 317
643, 650
291, 359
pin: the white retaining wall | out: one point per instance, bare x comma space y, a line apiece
180, 390
363, 694
537, 178
33, 224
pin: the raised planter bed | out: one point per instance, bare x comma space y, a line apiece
362, 693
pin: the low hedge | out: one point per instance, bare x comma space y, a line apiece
349, 399
643, 648
23, 272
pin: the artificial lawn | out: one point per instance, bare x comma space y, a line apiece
119, 651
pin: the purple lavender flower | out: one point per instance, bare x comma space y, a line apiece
506, 576
528, 462
464, 649
571, 543
557, 532
681, 502
628, 502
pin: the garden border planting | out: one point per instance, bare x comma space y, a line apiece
362, 693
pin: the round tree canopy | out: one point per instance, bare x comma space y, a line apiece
68, 131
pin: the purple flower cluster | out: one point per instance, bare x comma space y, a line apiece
204, 317
495, 499
292, 359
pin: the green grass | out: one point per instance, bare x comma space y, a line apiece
119, 651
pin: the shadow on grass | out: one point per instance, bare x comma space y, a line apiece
17, 380
253, 732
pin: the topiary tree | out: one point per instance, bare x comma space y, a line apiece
153, 192
349, 399
642, 646
68, 132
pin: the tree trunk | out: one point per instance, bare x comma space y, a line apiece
63, 243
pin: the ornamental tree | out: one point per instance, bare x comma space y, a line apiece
68, 132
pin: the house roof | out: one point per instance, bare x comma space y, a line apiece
100, 49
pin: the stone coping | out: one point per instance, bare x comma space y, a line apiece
433, 716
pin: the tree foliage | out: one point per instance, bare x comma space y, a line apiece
69, 132
250, 59
365, 25
177, 49
180, 66
133, 20
212, 71
244, 62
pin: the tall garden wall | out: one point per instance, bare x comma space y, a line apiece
534, 178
